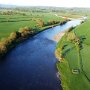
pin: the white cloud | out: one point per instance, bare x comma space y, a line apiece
58, 3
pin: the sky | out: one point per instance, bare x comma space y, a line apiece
57, 3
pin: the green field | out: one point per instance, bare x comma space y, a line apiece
11, 23
20, 23
83, 30
75, 58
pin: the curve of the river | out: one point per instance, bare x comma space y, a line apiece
31, 65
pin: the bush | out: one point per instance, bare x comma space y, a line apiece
51, 22
25, 32
40, 23
14, 39
70, 29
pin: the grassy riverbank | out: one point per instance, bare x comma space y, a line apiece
73, 52
11, 23
18, 25
16, 37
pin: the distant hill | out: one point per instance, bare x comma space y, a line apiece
7, 6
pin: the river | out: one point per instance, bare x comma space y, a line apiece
31, 65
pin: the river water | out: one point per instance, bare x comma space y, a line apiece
31, 65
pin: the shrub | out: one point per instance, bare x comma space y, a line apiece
25, 32
40, 23
70, 29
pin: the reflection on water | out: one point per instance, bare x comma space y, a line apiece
31, 65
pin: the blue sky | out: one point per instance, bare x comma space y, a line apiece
58, 3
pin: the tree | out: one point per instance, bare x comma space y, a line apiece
26, 31
3, 48
40, 23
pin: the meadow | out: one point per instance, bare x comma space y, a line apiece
18, 24
74, 67
11, 23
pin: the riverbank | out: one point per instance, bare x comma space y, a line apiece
19, 36
59, 36
72, 53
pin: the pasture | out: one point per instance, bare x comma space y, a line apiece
11, 23
77, 58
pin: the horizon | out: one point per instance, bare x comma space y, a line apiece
50, 3
41, 6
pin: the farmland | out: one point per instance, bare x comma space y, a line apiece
18, 24
11, 23
74, 66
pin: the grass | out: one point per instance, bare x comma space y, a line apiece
83, 30
10, 23
76, 59
85, 53
71, 81
73, 57
15, 28
7, 27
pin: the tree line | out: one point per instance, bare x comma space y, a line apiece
15, 38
